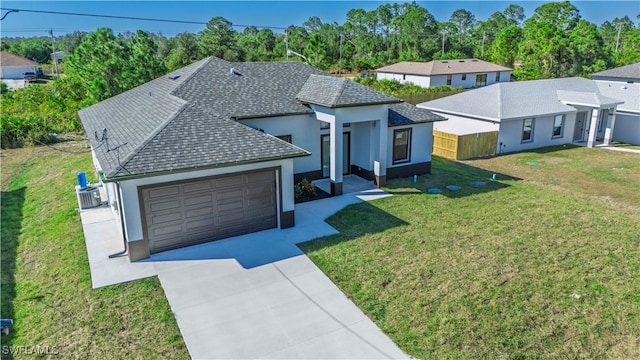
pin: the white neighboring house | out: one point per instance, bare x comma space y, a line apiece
623, 83
532, 114
212, 150
464, 73
13, 66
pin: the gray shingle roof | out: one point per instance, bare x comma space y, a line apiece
629, 93
631, 71
186, 119
504, 101
9, 59
336, 92
407, 114
442, 67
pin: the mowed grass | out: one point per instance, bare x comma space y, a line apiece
535, 265
46, 283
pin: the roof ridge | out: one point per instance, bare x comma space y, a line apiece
343, 86
190, 76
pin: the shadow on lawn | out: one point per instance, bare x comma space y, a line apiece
470, 180
11, 216
352, 222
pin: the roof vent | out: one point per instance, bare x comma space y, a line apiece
233, 71
460, 60
474, 60
174, 76
624, 87
445, 62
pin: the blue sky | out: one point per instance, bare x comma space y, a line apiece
265, 13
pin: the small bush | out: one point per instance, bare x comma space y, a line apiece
304, 188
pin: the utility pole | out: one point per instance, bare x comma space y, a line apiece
53, 56
286, 43
340, 61
443, 35
618, 38
483, 37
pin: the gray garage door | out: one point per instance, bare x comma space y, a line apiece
187, 213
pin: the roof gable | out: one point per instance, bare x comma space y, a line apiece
631, 71
9, 59
443, 67
333, 92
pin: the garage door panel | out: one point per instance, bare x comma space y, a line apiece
197, 200
228, 181
164, 191
197, 186
164, 205
211, 209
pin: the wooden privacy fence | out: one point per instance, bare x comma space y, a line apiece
464, 147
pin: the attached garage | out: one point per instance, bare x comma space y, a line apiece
194, 211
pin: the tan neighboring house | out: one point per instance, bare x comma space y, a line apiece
13, 66
464, 73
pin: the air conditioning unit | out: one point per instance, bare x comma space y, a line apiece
88, 197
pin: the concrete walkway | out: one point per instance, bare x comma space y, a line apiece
621, 149
252, 296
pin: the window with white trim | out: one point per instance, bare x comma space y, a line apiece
527, 130
498, 76
464, 77
558, 126
449, 79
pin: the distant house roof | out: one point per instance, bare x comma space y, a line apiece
629, 93
185, 120
8, 59
631, 72
520, 99
443, 67
334, 92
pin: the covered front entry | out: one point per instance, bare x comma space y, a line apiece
325, 154
580, 127
200, 210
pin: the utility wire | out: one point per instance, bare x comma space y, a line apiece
133, 18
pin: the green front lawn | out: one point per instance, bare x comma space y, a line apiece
46, 283
544, 263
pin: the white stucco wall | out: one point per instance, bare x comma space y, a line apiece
304, 131
627, 128
15, 72
421, 144
510, 133
131, 204
437, 80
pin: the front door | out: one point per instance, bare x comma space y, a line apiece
325, 154
578, 132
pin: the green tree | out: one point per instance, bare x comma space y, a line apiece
145, 64
36, 49
219, 39
184, 51
315, 51
504, 50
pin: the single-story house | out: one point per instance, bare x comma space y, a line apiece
13, 66
211, 150
628, 74
464, 73
532, 114
623, 83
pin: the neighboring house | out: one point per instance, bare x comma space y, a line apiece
211, 151
623, 83
531, 114
627, 74
465, 73
14, 66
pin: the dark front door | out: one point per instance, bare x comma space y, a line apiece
578, 132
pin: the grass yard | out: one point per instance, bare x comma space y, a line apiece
543, 263
46, 284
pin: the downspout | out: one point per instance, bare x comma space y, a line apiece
124, 234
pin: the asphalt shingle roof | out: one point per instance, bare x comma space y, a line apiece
334, 92
9, 59
505, 101
186, 119
629, 93
443, 67
631, 71
407, 114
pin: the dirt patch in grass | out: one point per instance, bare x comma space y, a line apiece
46, 285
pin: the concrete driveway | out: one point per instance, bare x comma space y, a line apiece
252, 296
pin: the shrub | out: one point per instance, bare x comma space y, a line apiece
304, 188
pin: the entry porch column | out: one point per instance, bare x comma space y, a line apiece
336, 156
380, 162
593, 126
611, 123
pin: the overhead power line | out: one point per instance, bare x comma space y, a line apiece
132, 18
